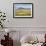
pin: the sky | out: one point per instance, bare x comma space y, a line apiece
23, 6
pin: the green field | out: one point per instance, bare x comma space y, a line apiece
23, 12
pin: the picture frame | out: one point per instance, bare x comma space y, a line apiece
22, 10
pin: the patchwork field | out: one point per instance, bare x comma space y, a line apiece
23, 12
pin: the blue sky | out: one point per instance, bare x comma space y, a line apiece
23, 5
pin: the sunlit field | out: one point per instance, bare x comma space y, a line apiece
23, 12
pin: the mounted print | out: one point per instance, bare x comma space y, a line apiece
22, 10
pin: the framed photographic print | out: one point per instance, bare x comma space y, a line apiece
22, 10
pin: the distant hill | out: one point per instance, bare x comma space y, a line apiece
23, 8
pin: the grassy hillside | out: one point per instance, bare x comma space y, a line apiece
23, 12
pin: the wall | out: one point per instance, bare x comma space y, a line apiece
39, 13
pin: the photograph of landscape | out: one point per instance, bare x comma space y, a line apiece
23, 10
